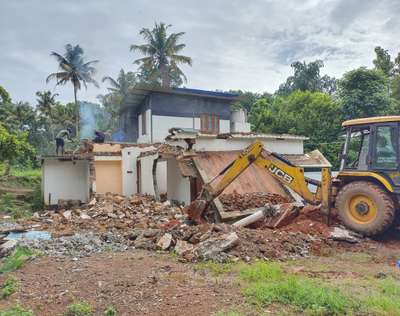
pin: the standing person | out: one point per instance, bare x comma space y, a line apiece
99, 137
65, 133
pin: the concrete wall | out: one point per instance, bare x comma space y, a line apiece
67, 180
147, 137
146, 180
178, 186
282, 146
108, 175
188, 106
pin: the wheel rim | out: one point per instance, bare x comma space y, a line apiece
362, 209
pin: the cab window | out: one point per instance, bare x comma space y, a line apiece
356, 156
385, 154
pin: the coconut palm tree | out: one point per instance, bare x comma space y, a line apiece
122, 84
74, 69
162, 55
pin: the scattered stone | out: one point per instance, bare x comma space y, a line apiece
85, 216
212, 248
183, 247
341, 234
7, 247
67, 215
165, 241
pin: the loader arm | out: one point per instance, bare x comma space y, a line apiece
280, 168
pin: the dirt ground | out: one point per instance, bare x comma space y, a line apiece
148, 283
135, 283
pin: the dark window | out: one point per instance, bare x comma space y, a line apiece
357, 149
385, 156
209, 123
144, 127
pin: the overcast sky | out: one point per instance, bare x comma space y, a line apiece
235, 44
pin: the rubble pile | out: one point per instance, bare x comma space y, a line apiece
240, 202
109, 212
117, 223
79, 245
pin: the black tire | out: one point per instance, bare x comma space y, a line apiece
381, 209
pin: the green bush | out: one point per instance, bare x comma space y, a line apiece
10, 286
16, 310
268, 284
16, 260
110, 311
80, 308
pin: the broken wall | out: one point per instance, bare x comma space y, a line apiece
66, 180
146, 179
178, 187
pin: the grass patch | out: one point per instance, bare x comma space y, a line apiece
110, 311
267, 283
16, 260
10, 286
227, 313
215, 268
80, 308
16, 310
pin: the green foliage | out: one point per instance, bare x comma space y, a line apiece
16, 260
110, 311
10, 286
383, 61
313, 114
364, 92
161, 51
215, 268
14, 145
383, 298
268, 284
307, 77
16, 310
4, 96
80, 308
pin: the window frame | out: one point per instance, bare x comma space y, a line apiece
374, 147
206, 119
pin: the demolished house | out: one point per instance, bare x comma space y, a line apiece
179, 139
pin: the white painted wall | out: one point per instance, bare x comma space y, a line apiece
178, 186
146, 138
129, 172
146, 180
224, 126
65, 180
161, 125
282, 146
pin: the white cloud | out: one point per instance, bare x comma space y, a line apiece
234, 44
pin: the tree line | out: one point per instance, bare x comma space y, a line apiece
307, 103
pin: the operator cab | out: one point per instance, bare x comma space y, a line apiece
372, 144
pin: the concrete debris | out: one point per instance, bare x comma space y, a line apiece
183, 248
215, 248
342, 234
7, 247
140, 222
165, 241
240, 202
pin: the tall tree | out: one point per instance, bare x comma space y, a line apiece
363, 93
4, 96
307, 77
118, 93
45, 103
74, 69
383, 61
162, 57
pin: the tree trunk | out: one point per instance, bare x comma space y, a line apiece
77, 114
165, 80
7, 169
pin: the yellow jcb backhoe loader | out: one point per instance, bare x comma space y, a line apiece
365, 192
